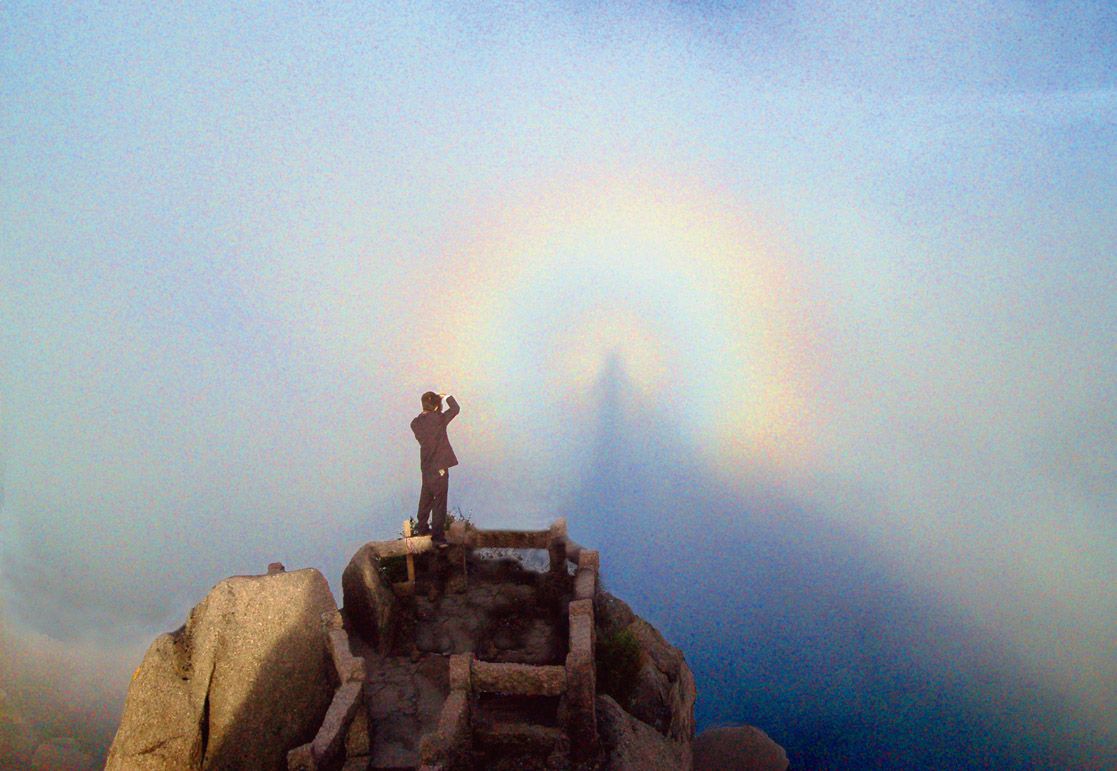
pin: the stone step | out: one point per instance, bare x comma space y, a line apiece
497, 708
385, 756
373, 766
356, 764
519, 738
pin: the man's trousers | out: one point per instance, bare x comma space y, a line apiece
432, 506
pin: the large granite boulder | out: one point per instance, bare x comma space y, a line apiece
631, 743
663, 690
243, 681
738, 748
370, 603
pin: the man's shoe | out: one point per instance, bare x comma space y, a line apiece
442, 544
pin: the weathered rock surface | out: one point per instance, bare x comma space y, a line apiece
251, 676
404, 701
632, 743
245, 680
370, 604
738, 748
664, 692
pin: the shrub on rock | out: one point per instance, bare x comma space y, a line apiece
661, 691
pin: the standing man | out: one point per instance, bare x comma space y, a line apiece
436, 456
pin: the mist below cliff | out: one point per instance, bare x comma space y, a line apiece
803, 627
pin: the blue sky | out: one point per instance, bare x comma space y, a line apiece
232, 240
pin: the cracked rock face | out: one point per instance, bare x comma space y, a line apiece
369, 602
242, 682
664, 691
632, 743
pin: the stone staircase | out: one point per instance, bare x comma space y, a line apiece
403, 700
519, 732
426, 710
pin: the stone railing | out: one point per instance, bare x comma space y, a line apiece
581, 676
554, 540
345, 726
574, 681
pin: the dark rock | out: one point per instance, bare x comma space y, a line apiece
221, 692
612, 614
667, 658
459, 634
651, 697
684, 692
425, 639
513, 599
738, 748
424, 610
664, 692
631, 743
370, 604
539, 644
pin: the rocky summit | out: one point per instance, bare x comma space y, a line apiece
499, 652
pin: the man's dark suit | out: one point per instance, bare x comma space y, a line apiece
436, 456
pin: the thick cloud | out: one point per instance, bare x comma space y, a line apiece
59, 694
222, 230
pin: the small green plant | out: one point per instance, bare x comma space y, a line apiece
453, 515
457, 515
618, 664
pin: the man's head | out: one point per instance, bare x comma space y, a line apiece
432, 402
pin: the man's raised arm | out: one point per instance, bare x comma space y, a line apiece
453, 410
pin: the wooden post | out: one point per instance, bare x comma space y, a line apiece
410, 556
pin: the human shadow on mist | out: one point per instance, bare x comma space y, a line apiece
793, 624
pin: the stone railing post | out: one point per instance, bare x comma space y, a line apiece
345, 726
448, 746
579, 710
348, 667
518, 679
556, 546
585, 578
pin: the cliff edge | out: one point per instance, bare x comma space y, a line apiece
466, 657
